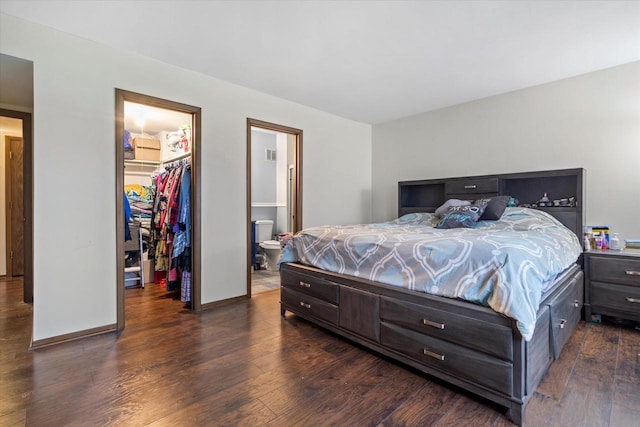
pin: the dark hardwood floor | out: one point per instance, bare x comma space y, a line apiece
243, 365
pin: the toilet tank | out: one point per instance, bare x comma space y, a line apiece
264, 230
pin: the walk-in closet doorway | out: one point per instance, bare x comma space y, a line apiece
274, 198
157, 199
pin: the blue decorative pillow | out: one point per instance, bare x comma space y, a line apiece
461, 216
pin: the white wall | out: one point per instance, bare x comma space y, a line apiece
590, 121
74, 170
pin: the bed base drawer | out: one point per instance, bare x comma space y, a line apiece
477, 367
311, 285
308, 306
486, 337
566, 311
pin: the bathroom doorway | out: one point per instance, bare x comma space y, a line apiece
274, 199
158, 219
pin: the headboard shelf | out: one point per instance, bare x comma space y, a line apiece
423, 194
527, 187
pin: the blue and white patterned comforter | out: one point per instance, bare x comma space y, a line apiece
503, 264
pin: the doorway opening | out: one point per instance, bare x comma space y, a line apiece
16, 105
274, 199
157, 200
16, 199
12, 263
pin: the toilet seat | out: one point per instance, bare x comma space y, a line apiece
271, 244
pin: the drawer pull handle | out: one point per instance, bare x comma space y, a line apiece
304, 304
562, 323
632, 273
426, 352
470, 187
433, 324
576, 303
305, 284
634, 300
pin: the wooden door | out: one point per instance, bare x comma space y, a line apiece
14, 206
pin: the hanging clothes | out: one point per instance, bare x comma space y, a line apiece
182, 243
182, 228
127, 217
171, 224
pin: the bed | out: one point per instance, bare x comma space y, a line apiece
413, 291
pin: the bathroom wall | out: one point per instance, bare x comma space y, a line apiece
263, 176
263, 171
269, 178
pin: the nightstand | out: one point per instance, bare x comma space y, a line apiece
612, 285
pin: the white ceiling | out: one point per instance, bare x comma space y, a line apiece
370, 61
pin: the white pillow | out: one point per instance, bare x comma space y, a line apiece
451, 202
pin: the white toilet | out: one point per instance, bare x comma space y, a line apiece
271, 248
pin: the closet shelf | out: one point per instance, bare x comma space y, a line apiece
140, 167
142, 162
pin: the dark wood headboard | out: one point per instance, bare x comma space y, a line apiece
528, 187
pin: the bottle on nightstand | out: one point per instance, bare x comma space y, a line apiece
616, 243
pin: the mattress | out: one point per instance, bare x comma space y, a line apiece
505, 264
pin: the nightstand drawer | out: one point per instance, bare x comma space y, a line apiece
620, 297
623, 271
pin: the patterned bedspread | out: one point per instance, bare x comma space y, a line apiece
503, 264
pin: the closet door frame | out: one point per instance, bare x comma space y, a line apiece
123, 96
